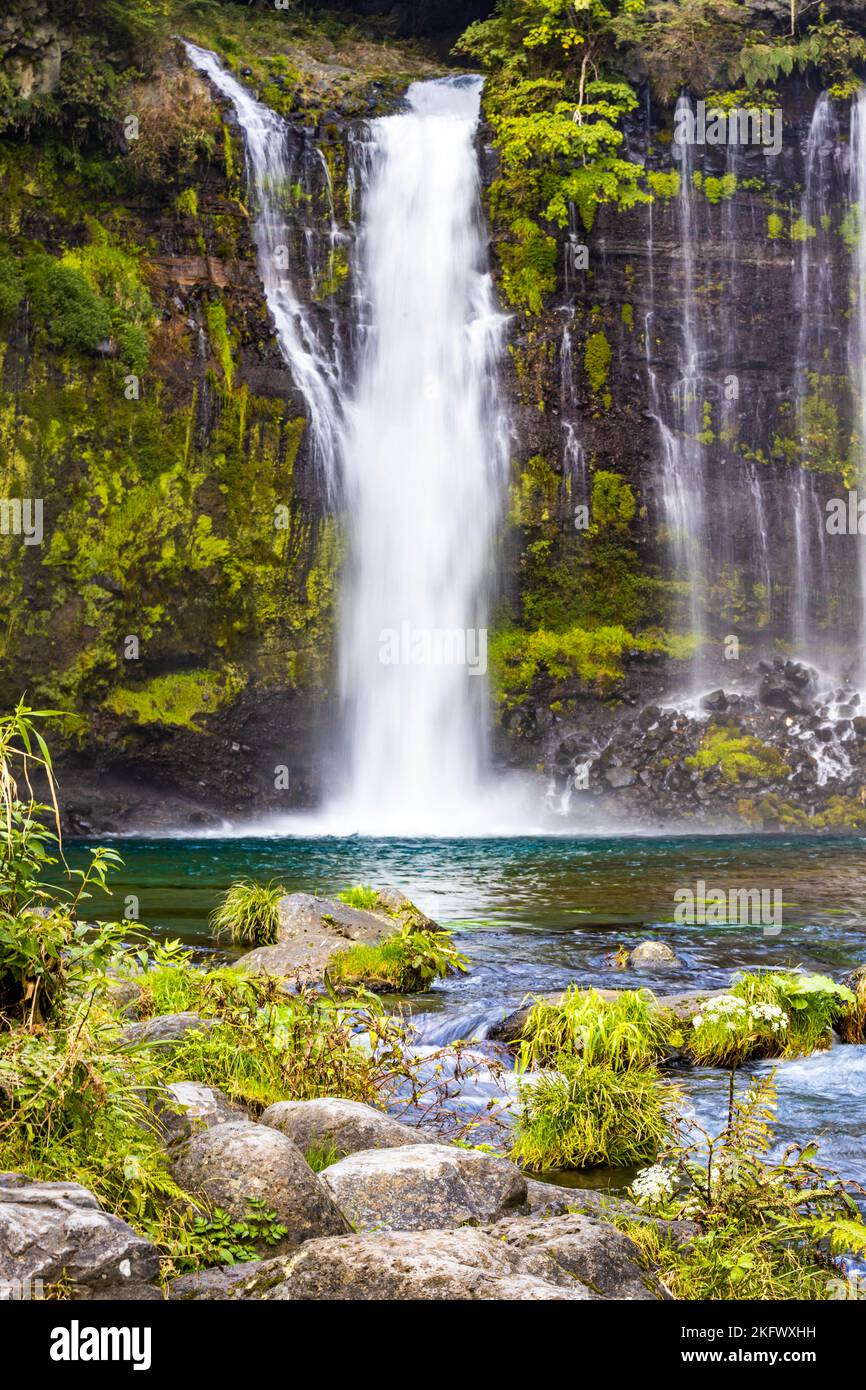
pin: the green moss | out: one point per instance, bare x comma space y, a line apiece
627, 315
664, 185
801, 230
528, 265
179, 698
186, 203
775, 226
716, 190
594, 656
217, 326
596, 360
613, 502
737, 755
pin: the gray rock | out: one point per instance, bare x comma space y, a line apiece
397, 1266
346, 1125
224, 1281
424, 1187
592, 1251
232, 1162
546, 1199
166, 1029
52, 1230
185, 1107
653, 953
310, 931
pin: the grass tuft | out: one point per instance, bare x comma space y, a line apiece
249, 913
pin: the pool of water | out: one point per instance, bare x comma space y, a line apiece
535, 914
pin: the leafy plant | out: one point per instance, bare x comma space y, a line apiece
221, 1239
249, 913
767, 1230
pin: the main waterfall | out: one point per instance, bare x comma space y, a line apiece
424, 459
415, 455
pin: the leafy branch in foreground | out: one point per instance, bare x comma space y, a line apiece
766, 1229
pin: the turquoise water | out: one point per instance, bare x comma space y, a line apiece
536, 914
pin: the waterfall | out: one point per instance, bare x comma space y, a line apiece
818, 311
679, 414
857, 353
425, 451
415, 453
269, 181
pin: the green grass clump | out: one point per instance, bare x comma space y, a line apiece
405, 963
362, 896
580, 1115
624, 1032
249, 913
322, 1153
737, 755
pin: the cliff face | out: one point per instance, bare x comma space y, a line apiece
181, 604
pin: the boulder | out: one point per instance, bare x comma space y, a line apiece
232, 1162
185, 1107
310, 931
398, 1266
653, 953
166, 1029
592, 1251
420, 1187
344, 1125
56, 1230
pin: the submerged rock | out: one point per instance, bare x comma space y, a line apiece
653, 953
346, 1125
57, 1230
425, 1187
233, 1162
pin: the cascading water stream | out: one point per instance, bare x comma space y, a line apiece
679, 417
424, 467
857, 351
269, 180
